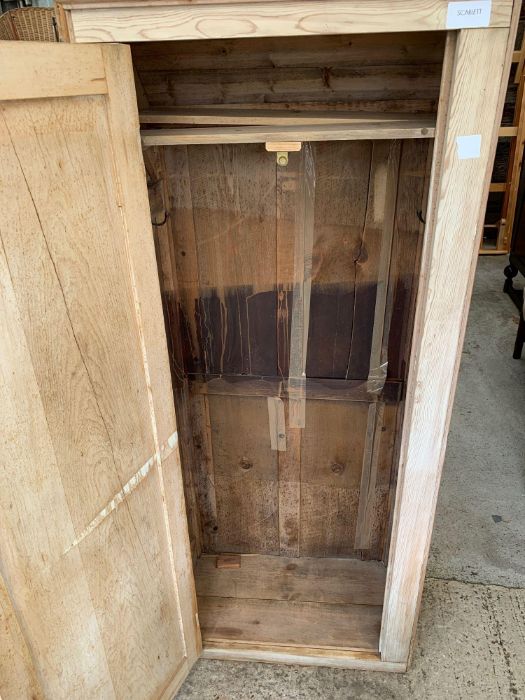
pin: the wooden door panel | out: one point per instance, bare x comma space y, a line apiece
98, 601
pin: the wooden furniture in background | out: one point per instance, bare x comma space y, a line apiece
100, 597
29, 24
516, 267
503, 195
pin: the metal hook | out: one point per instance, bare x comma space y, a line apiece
420, 216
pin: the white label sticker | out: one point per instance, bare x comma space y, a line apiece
470, 13
469, 146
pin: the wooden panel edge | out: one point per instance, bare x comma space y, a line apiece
173, 686
133, 196
405, 582
303, 656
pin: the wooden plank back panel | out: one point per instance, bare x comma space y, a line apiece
414, 172
235, 296
283, 622
377, 73
306, 579
235, 216
246, 475
333, 456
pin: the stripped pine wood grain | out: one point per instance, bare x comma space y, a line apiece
18, 677
83, 424
83, 420
170, 503
32, 480
275, 622
301, 579
448, 261
112, 437
68, 70
145, 23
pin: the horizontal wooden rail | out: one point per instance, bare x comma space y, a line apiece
272, 117
68, 71
319, 389
409, 129
511, 131
143, 21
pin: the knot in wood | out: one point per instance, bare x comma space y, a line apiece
337, 468
246, 464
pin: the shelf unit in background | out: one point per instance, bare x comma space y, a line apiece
503, 192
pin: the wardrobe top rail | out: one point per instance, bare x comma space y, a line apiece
161, 20
395, 129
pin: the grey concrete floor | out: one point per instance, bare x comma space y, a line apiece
471, 633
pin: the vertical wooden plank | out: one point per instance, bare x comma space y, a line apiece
180, 211
412, 191
290, 490
160, 195
340, 204
204, 472
246, 475
276, 423
18, 678
332, 457
127, 153
38, 529
377, 371
372, 261
474, 73
233, 198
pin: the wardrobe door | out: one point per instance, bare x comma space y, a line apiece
96, 585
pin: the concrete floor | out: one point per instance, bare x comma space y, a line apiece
471, 634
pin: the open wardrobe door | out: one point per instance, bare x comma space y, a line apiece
96, 586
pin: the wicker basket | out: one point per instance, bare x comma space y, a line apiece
28, 24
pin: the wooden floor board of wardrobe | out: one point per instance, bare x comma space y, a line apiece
325, 603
